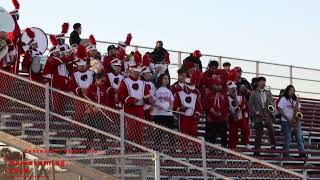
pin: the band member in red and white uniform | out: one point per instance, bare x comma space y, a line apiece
146, 77
97, 91
133, 94
113, 81
80, 80
216, 106
29, 55
239, 116
179, 85
57, 72
62, 38
14, 37
94, 55
106, 61
187, 103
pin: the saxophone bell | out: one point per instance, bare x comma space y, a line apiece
299, 115
271, 108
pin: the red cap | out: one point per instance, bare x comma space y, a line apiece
196, 54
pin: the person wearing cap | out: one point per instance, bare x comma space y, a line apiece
57, 72
179, 85
242, 81
146, 77
113, 81
195, 59
112, 52
133, 94
187, 103
259, 99
226, 66
239, 117
216, 107
75, 34
29, 55
80, 80
212, 72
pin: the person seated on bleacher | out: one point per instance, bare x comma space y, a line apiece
258, 101
288, 106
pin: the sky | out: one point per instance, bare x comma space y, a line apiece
285, 31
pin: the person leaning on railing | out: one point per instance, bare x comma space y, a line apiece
287, 105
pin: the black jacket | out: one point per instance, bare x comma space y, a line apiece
158, 55
74, 38
194, 60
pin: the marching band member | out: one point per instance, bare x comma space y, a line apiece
112, 52
216, 106
80, 80
258, 101
57, 71
163, 102
187, 102
242, 81
94, 55
133, 94
30, 54
289, 106
14, 38
63, 46
239, 117
195, 59
113, 81
97, 91
214, 73
226, 66
179, 85
146, 77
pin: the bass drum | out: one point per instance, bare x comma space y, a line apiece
38, 63
40, 37
3, 48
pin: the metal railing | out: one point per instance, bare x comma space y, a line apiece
87, 125
278, 76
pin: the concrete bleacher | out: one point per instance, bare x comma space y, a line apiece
29, 125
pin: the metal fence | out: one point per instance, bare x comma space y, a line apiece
78, 128
278, 76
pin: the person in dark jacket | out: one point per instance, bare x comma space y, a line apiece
195, 59
75, 34
160, 55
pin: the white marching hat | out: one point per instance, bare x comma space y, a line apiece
6, 21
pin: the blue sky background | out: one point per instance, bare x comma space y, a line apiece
285, 31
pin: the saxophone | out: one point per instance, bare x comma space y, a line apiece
297, 116
269, 108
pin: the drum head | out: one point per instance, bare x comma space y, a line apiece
3, 48
7, 23
40, 37
36, 65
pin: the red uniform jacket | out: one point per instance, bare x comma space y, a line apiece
97, 94
176, 87
188, 104
106, 63
112, 85
217, 103
132, 95
220, 75
57, 71
80, 81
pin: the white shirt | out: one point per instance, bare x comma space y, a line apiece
163, 98
263, 97
287, 106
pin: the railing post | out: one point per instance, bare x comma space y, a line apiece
47, 117
156, 165
257, 68
290, 75
122, 146
204, 158
220, 62
179, 59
